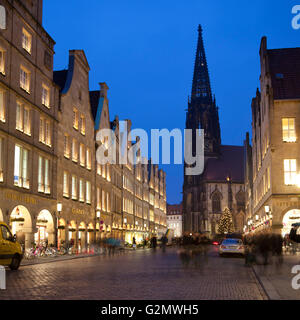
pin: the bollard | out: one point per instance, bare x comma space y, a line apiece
2, 278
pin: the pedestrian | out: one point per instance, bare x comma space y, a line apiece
133, 243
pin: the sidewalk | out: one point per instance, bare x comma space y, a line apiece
277, 280
41, 260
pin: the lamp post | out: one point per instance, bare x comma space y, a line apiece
59, 210
98, 215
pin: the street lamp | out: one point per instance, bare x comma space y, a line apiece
59, 207
98, 214
267, 209
59, 210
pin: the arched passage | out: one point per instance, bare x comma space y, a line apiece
72, 234
21, 226
1, 216
90, 234
61, 233
81, 236
45, 228
292, 216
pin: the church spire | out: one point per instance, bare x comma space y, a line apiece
201, 85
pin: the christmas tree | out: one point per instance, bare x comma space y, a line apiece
226, 223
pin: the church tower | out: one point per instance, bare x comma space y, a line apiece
203, 114
202, 111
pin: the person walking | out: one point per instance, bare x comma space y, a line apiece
133, 243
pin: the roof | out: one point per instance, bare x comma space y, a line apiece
284, 66
229, 164
60, 77
174, 209
94, 101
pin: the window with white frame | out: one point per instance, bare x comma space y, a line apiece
2, 105
26, 40
1, 159
88, 192
45, 96
74, 187
81, 190
88, 159
75, 118
82, 124
74, 150
290, 171
24, 79
43, 176
45, 131
21, 167
103, 201
66, 184
108, 202
48, 133
67, 145
23, 120
81, 155
98, 198
288, 130
2, 61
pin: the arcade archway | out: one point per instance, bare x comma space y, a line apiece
72, 234
21, 226
45, 228
61, 233
1, 216
90, 234
81, 236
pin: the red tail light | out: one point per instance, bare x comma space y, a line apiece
215, 243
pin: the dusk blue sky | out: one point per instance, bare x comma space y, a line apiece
145, 50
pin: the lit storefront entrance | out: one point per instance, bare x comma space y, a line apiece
292, 216
61, 233
45, 229
21, 226
72, 234
81, 236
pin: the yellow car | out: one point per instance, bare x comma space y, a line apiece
10, 250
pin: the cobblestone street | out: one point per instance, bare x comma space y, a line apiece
143, 274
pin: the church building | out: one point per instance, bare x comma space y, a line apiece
221, 184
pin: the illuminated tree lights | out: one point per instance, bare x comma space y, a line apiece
226, 222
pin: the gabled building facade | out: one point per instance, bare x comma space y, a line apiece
29, 102
76, 154
275, 142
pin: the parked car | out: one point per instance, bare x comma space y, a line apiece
10, 250
231, 246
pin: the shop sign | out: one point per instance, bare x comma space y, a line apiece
77, 211
21, 198
289, 204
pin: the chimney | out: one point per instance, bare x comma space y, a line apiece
103, 89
